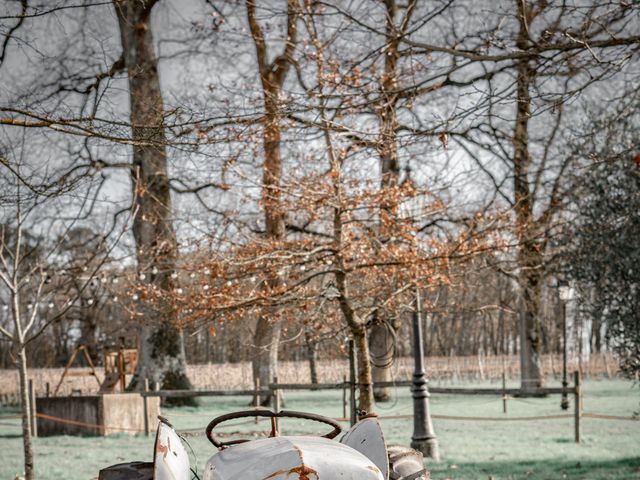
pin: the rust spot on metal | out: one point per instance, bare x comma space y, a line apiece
303, 472
164, 450
373, 468
275, 474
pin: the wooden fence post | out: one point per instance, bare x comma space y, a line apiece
32, 409
578, 405
504, 393
276, 401
145, 407
256, 398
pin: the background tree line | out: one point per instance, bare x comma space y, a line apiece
279, 169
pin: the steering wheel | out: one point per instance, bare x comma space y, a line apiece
268, 414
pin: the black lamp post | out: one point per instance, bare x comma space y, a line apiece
566, 294
424, 438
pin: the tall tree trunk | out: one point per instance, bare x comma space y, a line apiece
27, 444
530, 257
382, 343
530, 333
312, 357
365, 400
381, 338
272, 76
162, 357
357, 325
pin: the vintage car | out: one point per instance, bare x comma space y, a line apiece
361, 454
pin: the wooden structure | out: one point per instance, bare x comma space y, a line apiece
91, 372
117, 365
102, 414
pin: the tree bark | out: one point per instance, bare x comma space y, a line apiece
162, 357
312, 356
382, 344
381, 339
29, 468
272, 76
530, 256
365, 400
530, 333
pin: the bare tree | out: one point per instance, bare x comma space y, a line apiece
34, 274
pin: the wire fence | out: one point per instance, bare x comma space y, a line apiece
499, 394
197, 432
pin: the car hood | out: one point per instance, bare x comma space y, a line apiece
291, 458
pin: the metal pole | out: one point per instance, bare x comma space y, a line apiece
577, 406
424, 438
32, 410
353, 378
564, 403
344, 396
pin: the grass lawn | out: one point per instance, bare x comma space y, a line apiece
542, 449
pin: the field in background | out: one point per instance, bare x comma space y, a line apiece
441, 370
471, 449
